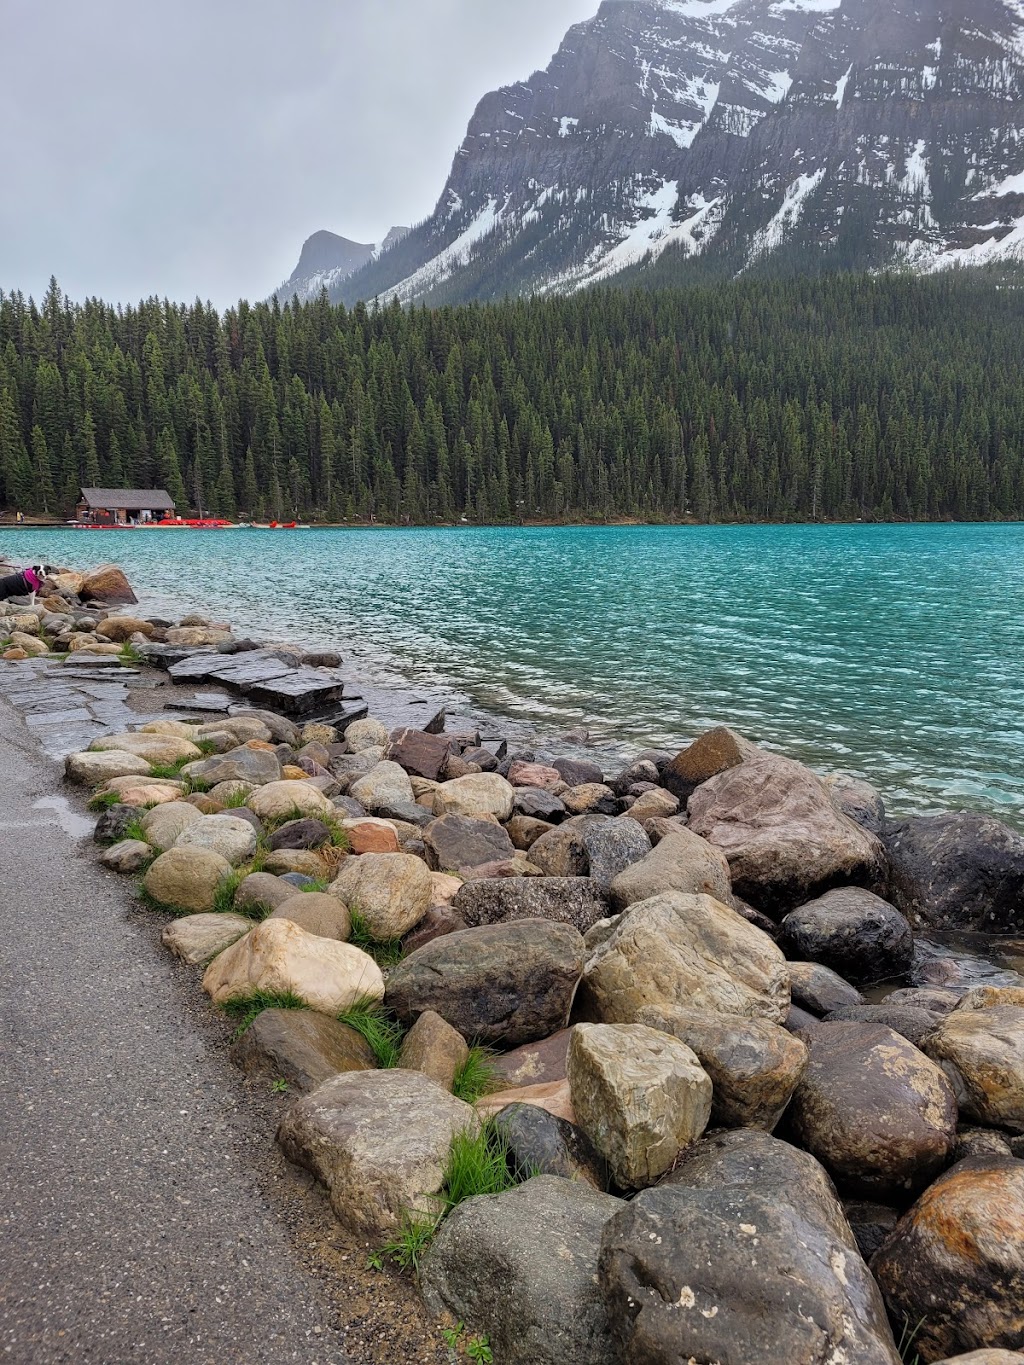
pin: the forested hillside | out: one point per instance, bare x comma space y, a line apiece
835, 397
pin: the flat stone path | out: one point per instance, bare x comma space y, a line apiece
134, 1226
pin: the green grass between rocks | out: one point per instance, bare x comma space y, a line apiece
477, 1076
381, 1032
246, 1008
385, 952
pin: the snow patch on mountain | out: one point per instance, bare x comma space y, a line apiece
452, 258
770, 238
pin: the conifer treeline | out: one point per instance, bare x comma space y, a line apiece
837, 397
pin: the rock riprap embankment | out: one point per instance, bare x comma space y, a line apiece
633, 996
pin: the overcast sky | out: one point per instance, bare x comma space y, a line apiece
188, 147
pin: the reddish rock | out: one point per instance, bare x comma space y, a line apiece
418, 753
107, 584
535, 775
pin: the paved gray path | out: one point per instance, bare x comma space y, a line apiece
133, 1226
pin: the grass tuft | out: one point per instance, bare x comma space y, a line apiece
237, 801
134, 830
246, 1008
385, 952
477, 1076
320, 885
381, 1032
103, 801
129, 654
224, 896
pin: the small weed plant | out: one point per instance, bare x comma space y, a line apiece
103, 801
385, 952
224, 896
908, 1337
279, 1087
246, 1008
382, 1033
477, 1348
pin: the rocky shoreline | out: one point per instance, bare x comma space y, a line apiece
588, 1053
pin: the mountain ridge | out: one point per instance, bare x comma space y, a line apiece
732, 135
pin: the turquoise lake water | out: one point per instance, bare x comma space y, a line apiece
892, 652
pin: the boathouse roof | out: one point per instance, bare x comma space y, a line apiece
128, 499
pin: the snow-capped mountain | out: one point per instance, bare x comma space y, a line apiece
328, 259
730, 135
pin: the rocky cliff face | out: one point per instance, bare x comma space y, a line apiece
729, 135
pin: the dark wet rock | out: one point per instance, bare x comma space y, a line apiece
578, 772
785, 841
562, 853
871, 1224
854, 932
636, 772
957, 871
307, 833
349, 808
300, 1047
298, 879
798, 1019
955, 1263
454, 841
820, 990
410, 812
112, 826
502, 984
906, 1020
981, 1142
759, 1270
521, 1267
250, 817
578, 901
482, 758
878, 1114
541, 1143
538, 804
752, 916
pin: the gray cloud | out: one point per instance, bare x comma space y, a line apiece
188, 148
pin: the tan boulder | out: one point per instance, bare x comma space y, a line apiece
318, 914
280, 800
32, 647
478, 795
366, 734
379, 1141
197, 939
164, 823
434, 1048
535, 775
386, 784
278, 957
679, 862
784, 838
187, 879
88, 644
28, 624
677, 948
197, 636
244, 728
158, 749
982, 1053
301, 860
93, 768
106, 583
985, 997
176, 729
640, 1095
445, 888
392, 891
653, 805
14, 656
122, 628
231, 837
137, 791
68, 582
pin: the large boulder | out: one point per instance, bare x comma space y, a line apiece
122, 628
379, 1141
712, 753
957, 871
784, 839
142, 792
158, 749
232, 838
392, 891
255, 767
284, 800
853, 931
197, 939
261, 892
279, 958
907, 1020
419, 753
679, 862
612, 847
107, 583
542, 1143
564, 900
685, 948
562, 852
982, 1053
754, 1066
504, 983
301, 1047
368, 733
955, 1263
92, 769
454, 841
383, 786
640, 1095
317, 913
477, 795
820, 990
521, 1268
877, 1113
187, 879
858, 800
741, 1255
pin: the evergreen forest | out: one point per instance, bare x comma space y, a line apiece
832, 398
